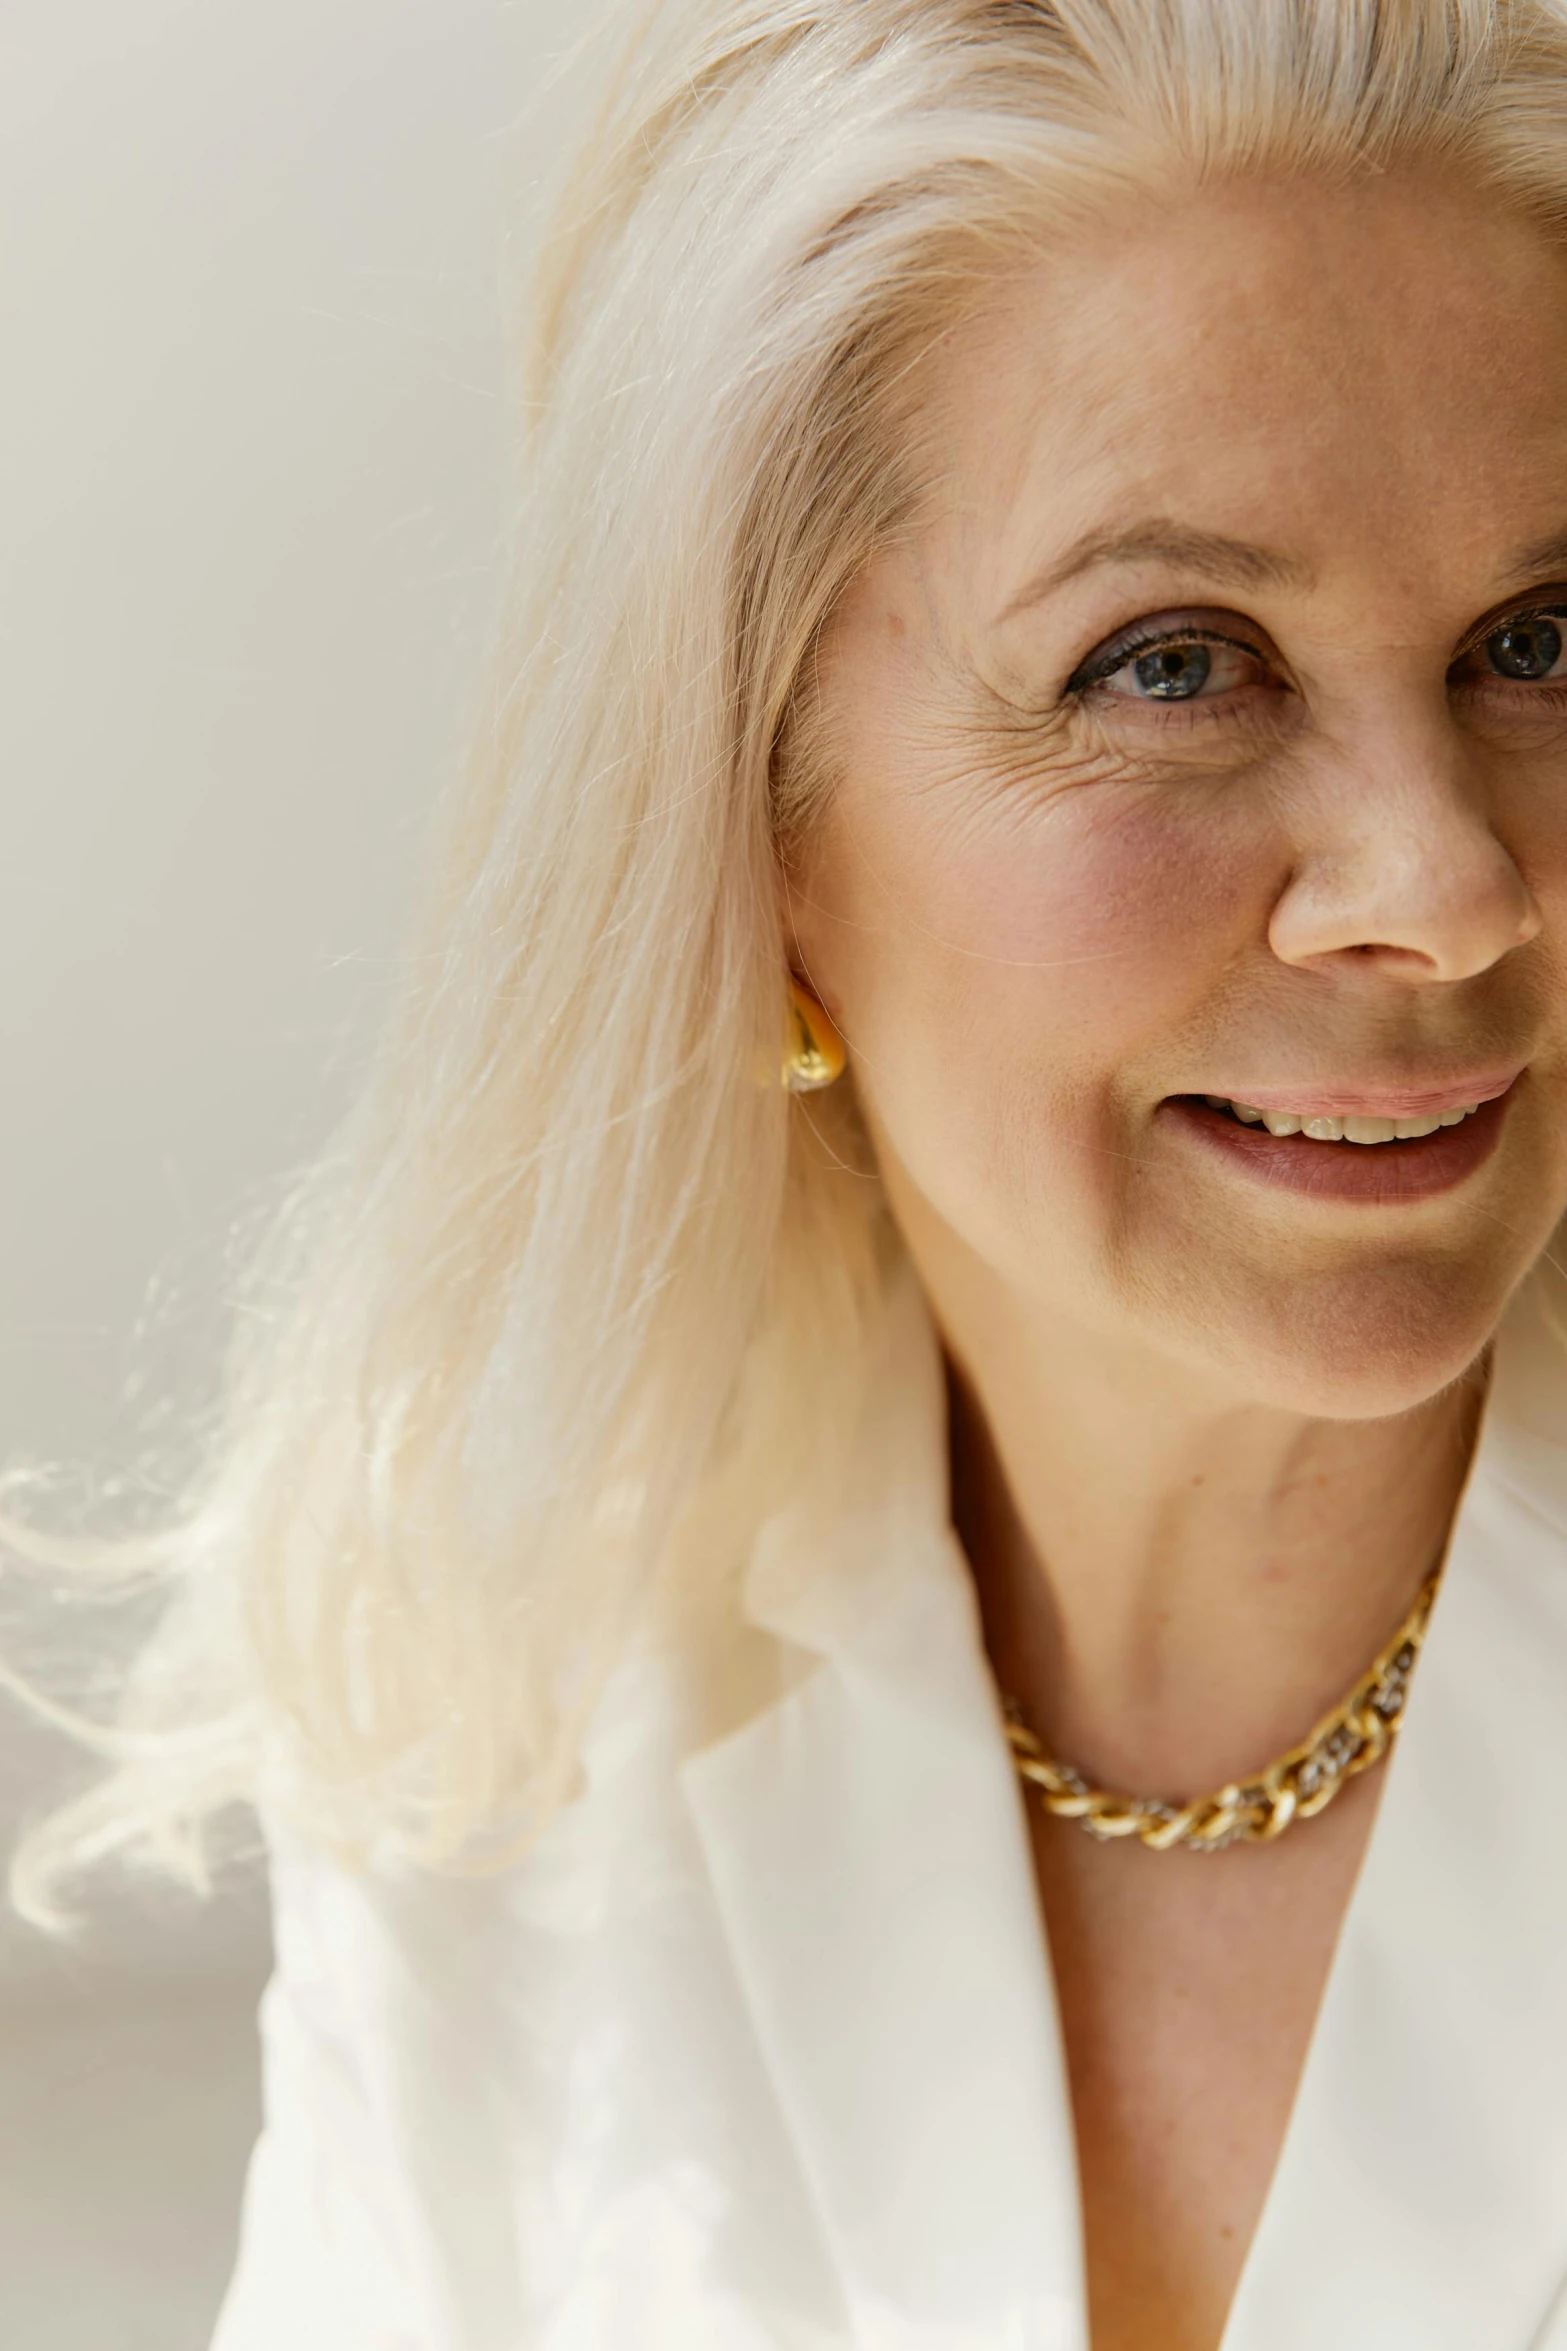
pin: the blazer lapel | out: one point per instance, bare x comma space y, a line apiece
869, 1857
1420, 2202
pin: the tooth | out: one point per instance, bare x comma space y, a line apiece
1325, 1130
1253, 1118
1409, 1128
1369, 1130
1282, 1122
1217, 1101
1451, 1118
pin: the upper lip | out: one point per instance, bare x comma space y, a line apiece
1331, 1100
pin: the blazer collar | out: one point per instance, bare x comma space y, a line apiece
868, 1851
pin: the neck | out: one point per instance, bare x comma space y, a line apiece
1176, 1584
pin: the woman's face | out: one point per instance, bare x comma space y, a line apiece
1209, 746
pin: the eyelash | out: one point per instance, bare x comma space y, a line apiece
1524, 613
1200, 711
1093, 671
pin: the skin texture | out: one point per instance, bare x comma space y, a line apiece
1208, 1432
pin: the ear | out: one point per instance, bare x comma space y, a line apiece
805, 930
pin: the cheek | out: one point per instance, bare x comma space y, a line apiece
1022, 980
1529, 812
1080, 933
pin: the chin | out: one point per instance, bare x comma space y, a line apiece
1364, 1346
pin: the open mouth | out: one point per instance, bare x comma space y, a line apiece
1323, 1127
1334, 1155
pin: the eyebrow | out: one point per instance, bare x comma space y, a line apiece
1230, 563
1547, 557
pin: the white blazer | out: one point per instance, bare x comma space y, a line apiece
758, 2051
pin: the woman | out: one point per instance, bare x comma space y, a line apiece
1048, 560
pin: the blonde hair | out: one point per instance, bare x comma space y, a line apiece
579, 1293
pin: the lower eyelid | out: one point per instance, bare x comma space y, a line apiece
1550, 690
1236, 709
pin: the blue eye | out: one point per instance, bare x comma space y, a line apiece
1172, 673
1185, 660
1177, 670
1528, 647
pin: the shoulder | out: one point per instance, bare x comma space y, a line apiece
532, 2097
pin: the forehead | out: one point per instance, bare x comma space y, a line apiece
1376, 367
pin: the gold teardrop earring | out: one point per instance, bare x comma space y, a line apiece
813, 1051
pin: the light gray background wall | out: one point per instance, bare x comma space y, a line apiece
254, 435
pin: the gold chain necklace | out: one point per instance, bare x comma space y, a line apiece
1357, 1734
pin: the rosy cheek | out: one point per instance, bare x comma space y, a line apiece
1103, 918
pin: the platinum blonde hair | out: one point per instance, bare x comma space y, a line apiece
580, 1294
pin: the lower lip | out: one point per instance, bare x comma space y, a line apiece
1378, 1174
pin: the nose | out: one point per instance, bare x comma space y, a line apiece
1397, 867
